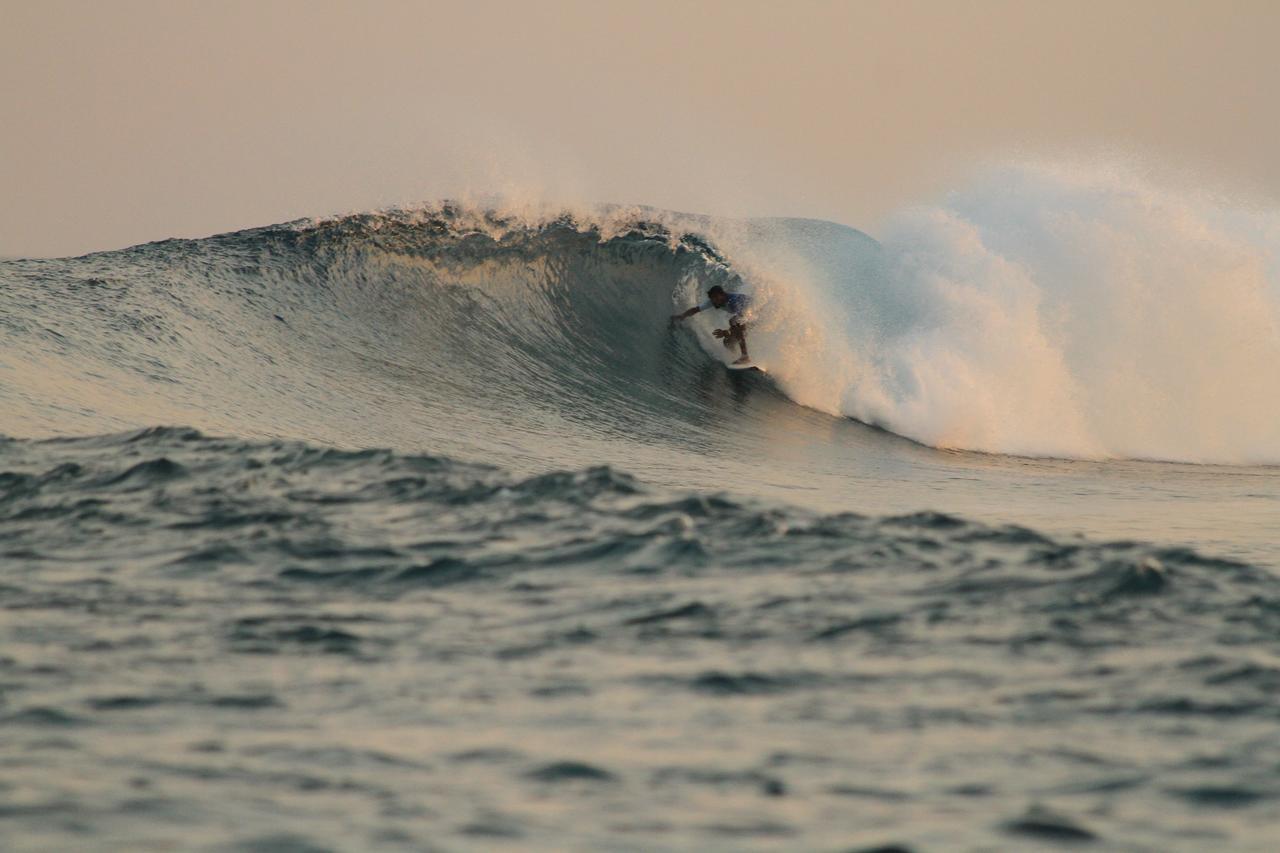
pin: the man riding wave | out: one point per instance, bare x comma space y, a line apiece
736, 304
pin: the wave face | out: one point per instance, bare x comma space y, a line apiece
346, 329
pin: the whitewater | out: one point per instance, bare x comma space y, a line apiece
423, 528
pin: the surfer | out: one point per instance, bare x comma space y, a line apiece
736, 304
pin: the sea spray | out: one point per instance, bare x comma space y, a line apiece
1053, 311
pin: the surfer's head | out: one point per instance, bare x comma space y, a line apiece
717, 296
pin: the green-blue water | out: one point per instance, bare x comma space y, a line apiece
422, 531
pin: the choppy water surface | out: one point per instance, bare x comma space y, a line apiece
926, 584
210, 641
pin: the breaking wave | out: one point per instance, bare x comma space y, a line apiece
1040, 312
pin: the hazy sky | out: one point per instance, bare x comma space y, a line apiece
132, 121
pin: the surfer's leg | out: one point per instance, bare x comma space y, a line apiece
738, 333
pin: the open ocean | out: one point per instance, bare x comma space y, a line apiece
421, 530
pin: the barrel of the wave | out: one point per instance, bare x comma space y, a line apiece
736, 306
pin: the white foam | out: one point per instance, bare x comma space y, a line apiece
1047, 310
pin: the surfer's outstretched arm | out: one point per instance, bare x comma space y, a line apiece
676, 318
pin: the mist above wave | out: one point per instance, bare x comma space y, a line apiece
1055, 311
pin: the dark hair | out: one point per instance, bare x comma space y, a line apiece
715, 288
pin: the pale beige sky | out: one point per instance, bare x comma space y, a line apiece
132, 121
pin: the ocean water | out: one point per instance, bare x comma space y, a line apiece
420, 529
